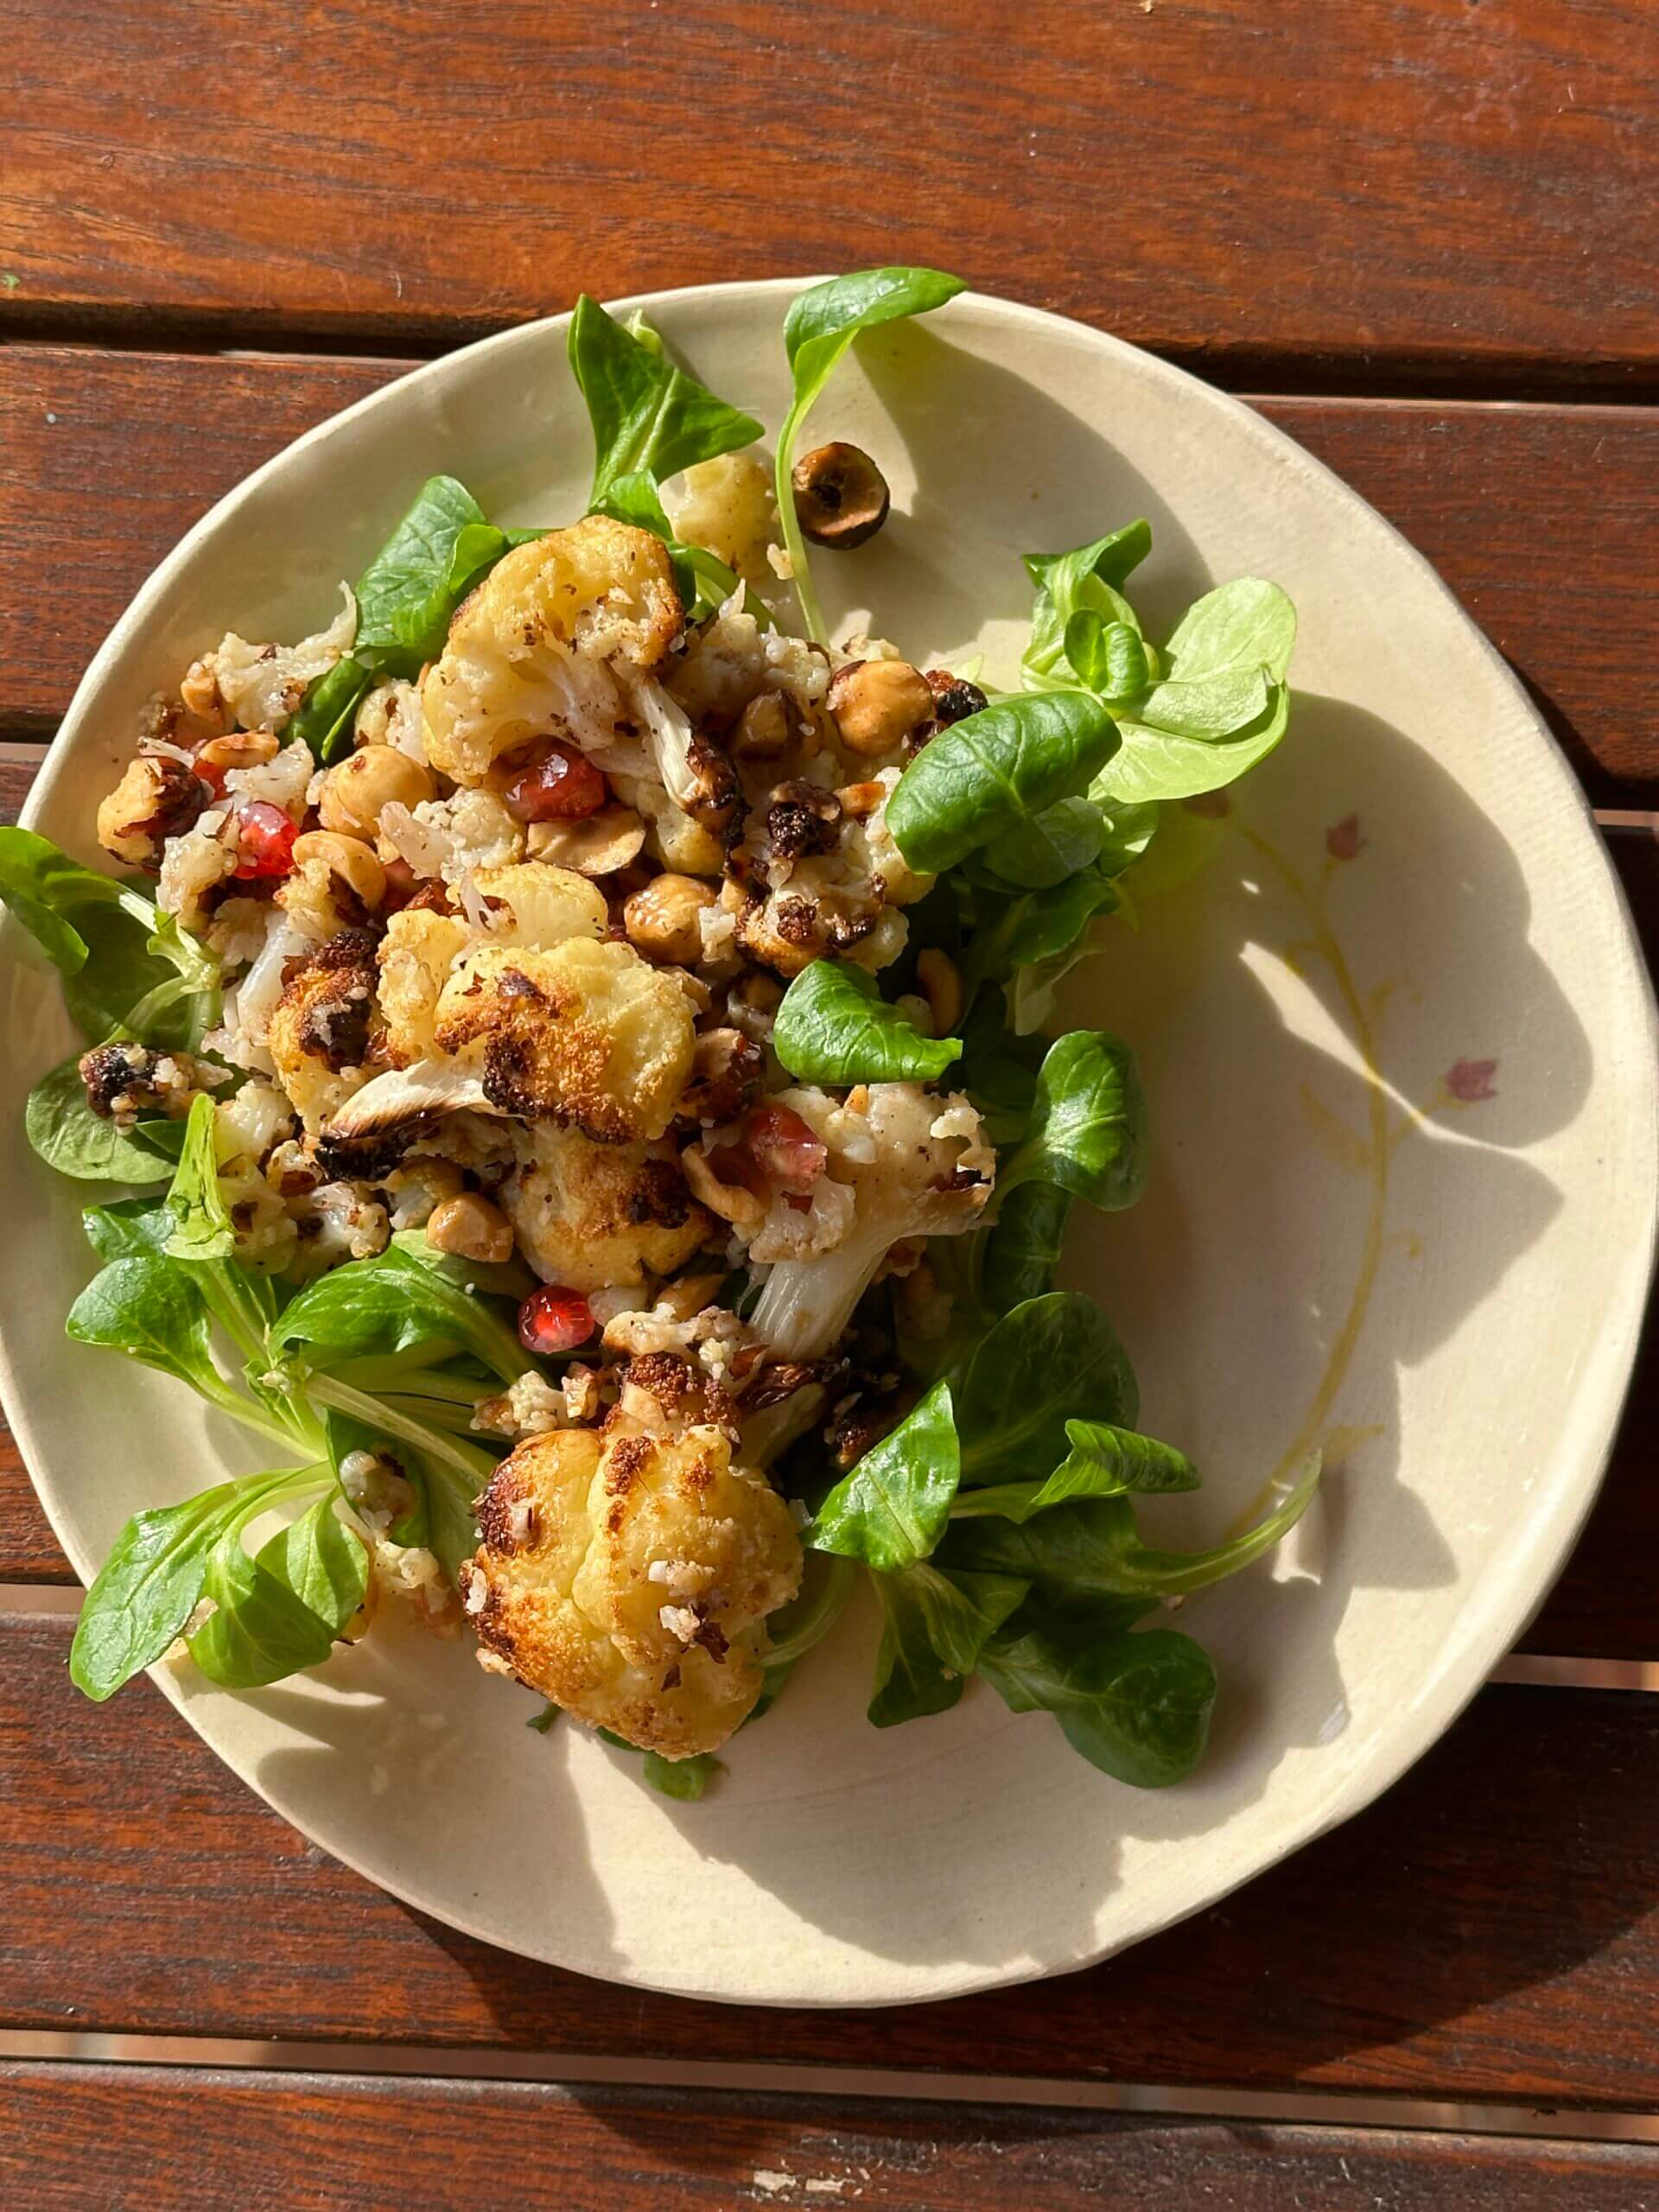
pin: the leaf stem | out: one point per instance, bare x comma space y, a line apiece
788, 522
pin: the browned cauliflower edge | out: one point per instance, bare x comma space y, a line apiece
627, 1578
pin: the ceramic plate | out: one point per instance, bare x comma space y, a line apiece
1400, 1047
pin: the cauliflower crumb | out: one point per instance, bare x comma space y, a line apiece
680, 1621
335, 1223
263, 685
530, 1408
191, 866
391, 715
778, 562
284, 780
451, 837
960, 1119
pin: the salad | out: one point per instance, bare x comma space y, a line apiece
574, 1041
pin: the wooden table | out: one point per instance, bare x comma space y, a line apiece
1422, 236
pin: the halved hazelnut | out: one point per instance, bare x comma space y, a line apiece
841, 496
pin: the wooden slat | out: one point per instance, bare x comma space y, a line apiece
147, 1891
71, 2137
106, 458
1419, 183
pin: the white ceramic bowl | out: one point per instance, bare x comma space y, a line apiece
1436, 1270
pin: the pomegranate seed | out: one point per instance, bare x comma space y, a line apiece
401, 885
563, 787
784, 1149
265, 840
554, 1321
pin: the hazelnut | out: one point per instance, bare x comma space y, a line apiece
877, 703
661, 918
936, 973
841, 496
726, 1070
471, 1228
239, 748
594, 844
860, 801
355, 789
348, 858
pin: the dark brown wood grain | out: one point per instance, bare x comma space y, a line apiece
106, 458
1386, 188
148, 1890
73, 2137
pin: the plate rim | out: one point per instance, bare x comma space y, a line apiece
1462, 1666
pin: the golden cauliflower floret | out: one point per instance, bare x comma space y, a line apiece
595, 1217
417, 954
320, 1032
585, 1033
541, 905
530, 652
156, 799
627, 1578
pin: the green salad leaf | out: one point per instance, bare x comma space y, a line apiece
891, 1509
934, 1626
62, 1128
819, 328
391, 1303
1071, 1367
441, 547
325, 718
1137, 1706
649, 417
835, 1027
1088, 1127
1089, 1546
279, 1611
986, 777
1104, 1461
151, 1582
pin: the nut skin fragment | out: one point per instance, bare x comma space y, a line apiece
840, 496
877, 704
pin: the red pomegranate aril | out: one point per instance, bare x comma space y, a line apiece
265, 840
784, 1147
402, 884
563, 787
554, 1321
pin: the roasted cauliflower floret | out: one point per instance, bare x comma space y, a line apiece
597, 1217
320, 1033
918, 1166
627, 1578
588, 1034
417, 953
535, 903
821, 912
530, 652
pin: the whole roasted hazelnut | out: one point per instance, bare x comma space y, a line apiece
841, 496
